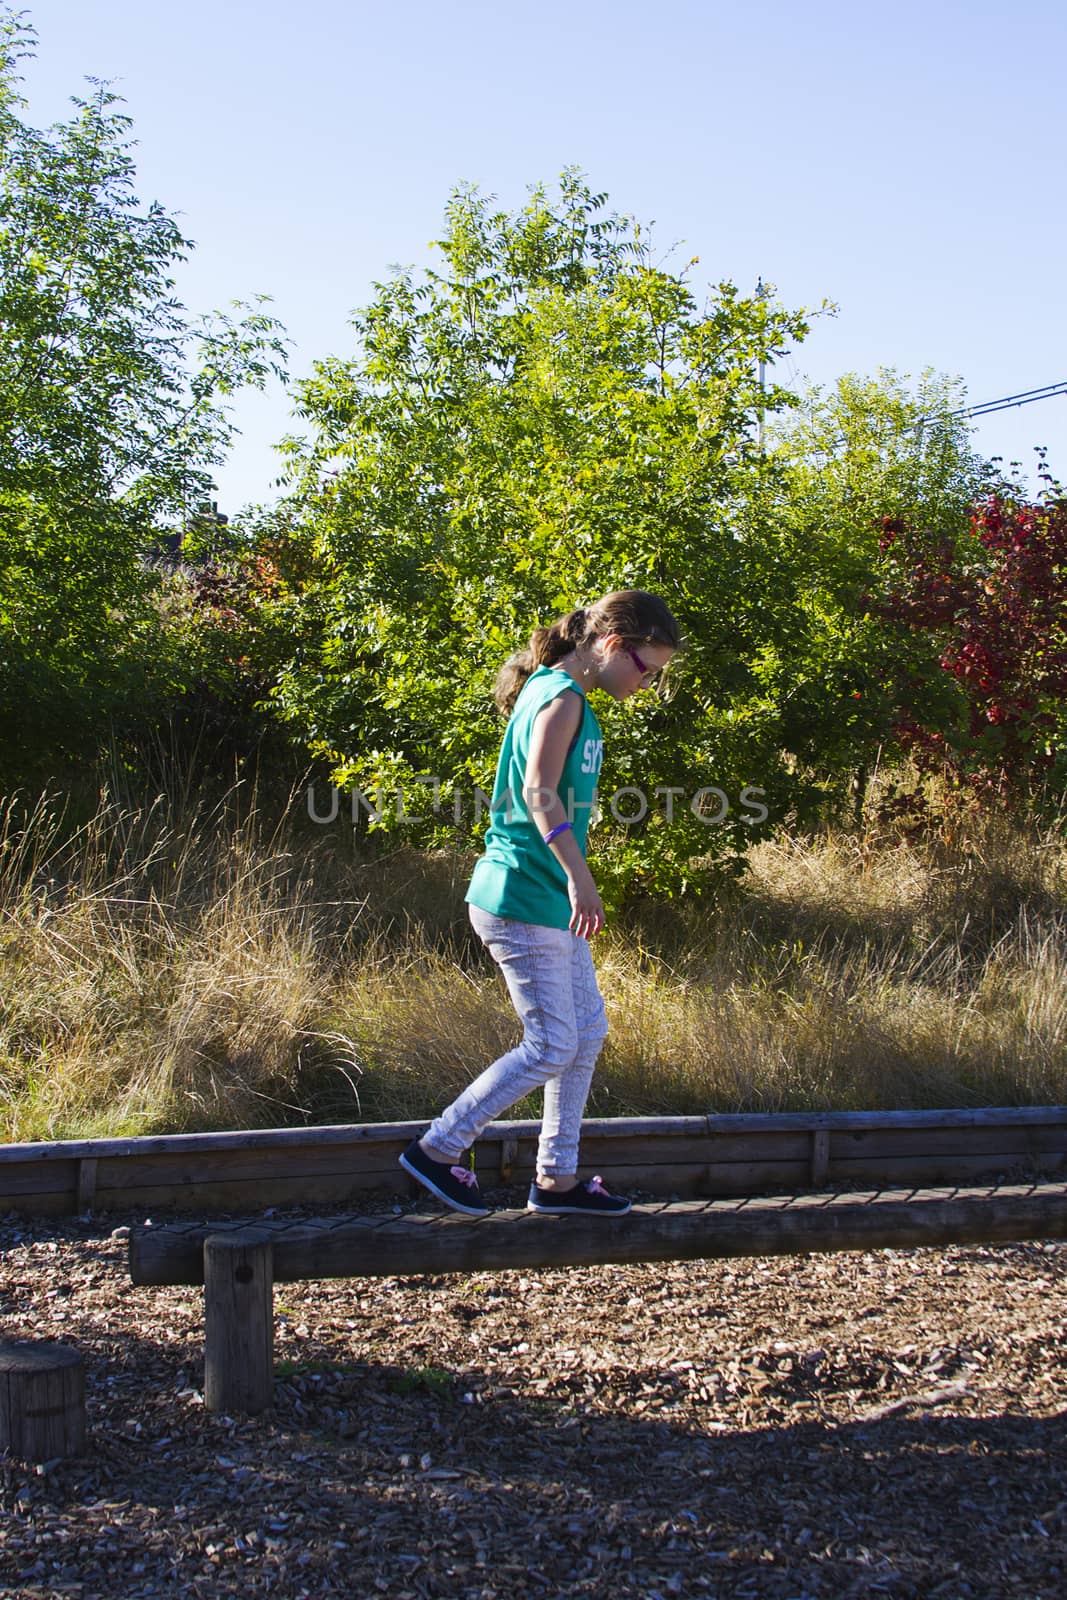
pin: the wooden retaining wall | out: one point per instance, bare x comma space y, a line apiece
701, 1156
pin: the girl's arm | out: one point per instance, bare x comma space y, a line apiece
553, 731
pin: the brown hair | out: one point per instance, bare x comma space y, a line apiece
633, 614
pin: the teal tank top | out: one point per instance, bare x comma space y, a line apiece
518, 877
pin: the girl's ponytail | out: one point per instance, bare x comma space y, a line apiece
546, 647
632, 614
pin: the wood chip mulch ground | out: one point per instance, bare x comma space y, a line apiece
888, 1424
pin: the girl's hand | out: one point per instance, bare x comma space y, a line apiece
587, 908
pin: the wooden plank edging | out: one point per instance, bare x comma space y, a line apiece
594, 1127
717, 1154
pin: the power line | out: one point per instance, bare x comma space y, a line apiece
1026, 398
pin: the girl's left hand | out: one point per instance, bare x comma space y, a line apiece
587, 908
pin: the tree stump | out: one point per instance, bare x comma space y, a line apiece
42, 1400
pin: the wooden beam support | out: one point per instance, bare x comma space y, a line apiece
238, 1322
509, 1151
820, 1156
86, 1184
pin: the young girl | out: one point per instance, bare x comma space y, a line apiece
534, 904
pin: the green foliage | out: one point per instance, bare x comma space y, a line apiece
434, 1381
226, 623
868, 453
548, 416
112, 411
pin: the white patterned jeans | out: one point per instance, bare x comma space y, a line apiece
552, 983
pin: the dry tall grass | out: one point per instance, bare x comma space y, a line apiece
174, 973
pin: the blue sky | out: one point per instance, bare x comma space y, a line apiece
905, 161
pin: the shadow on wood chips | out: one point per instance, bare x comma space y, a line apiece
884, 1424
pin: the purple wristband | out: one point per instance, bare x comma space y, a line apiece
554, 832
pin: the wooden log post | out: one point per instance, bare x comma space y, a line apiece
238, 1322
42, 1401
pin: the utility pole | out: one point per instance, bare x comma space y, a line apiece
763, 292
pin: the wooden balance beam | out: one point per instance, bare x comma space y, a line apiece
238, 1262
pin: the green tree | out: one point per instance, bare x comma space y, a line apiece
548, 415
112, 413
867, 454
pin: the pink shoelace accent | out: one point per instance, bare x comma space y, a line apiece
596, 1185
464, 1175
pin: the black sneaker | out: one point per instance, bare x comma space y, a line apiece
455, 1185
590, 1198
